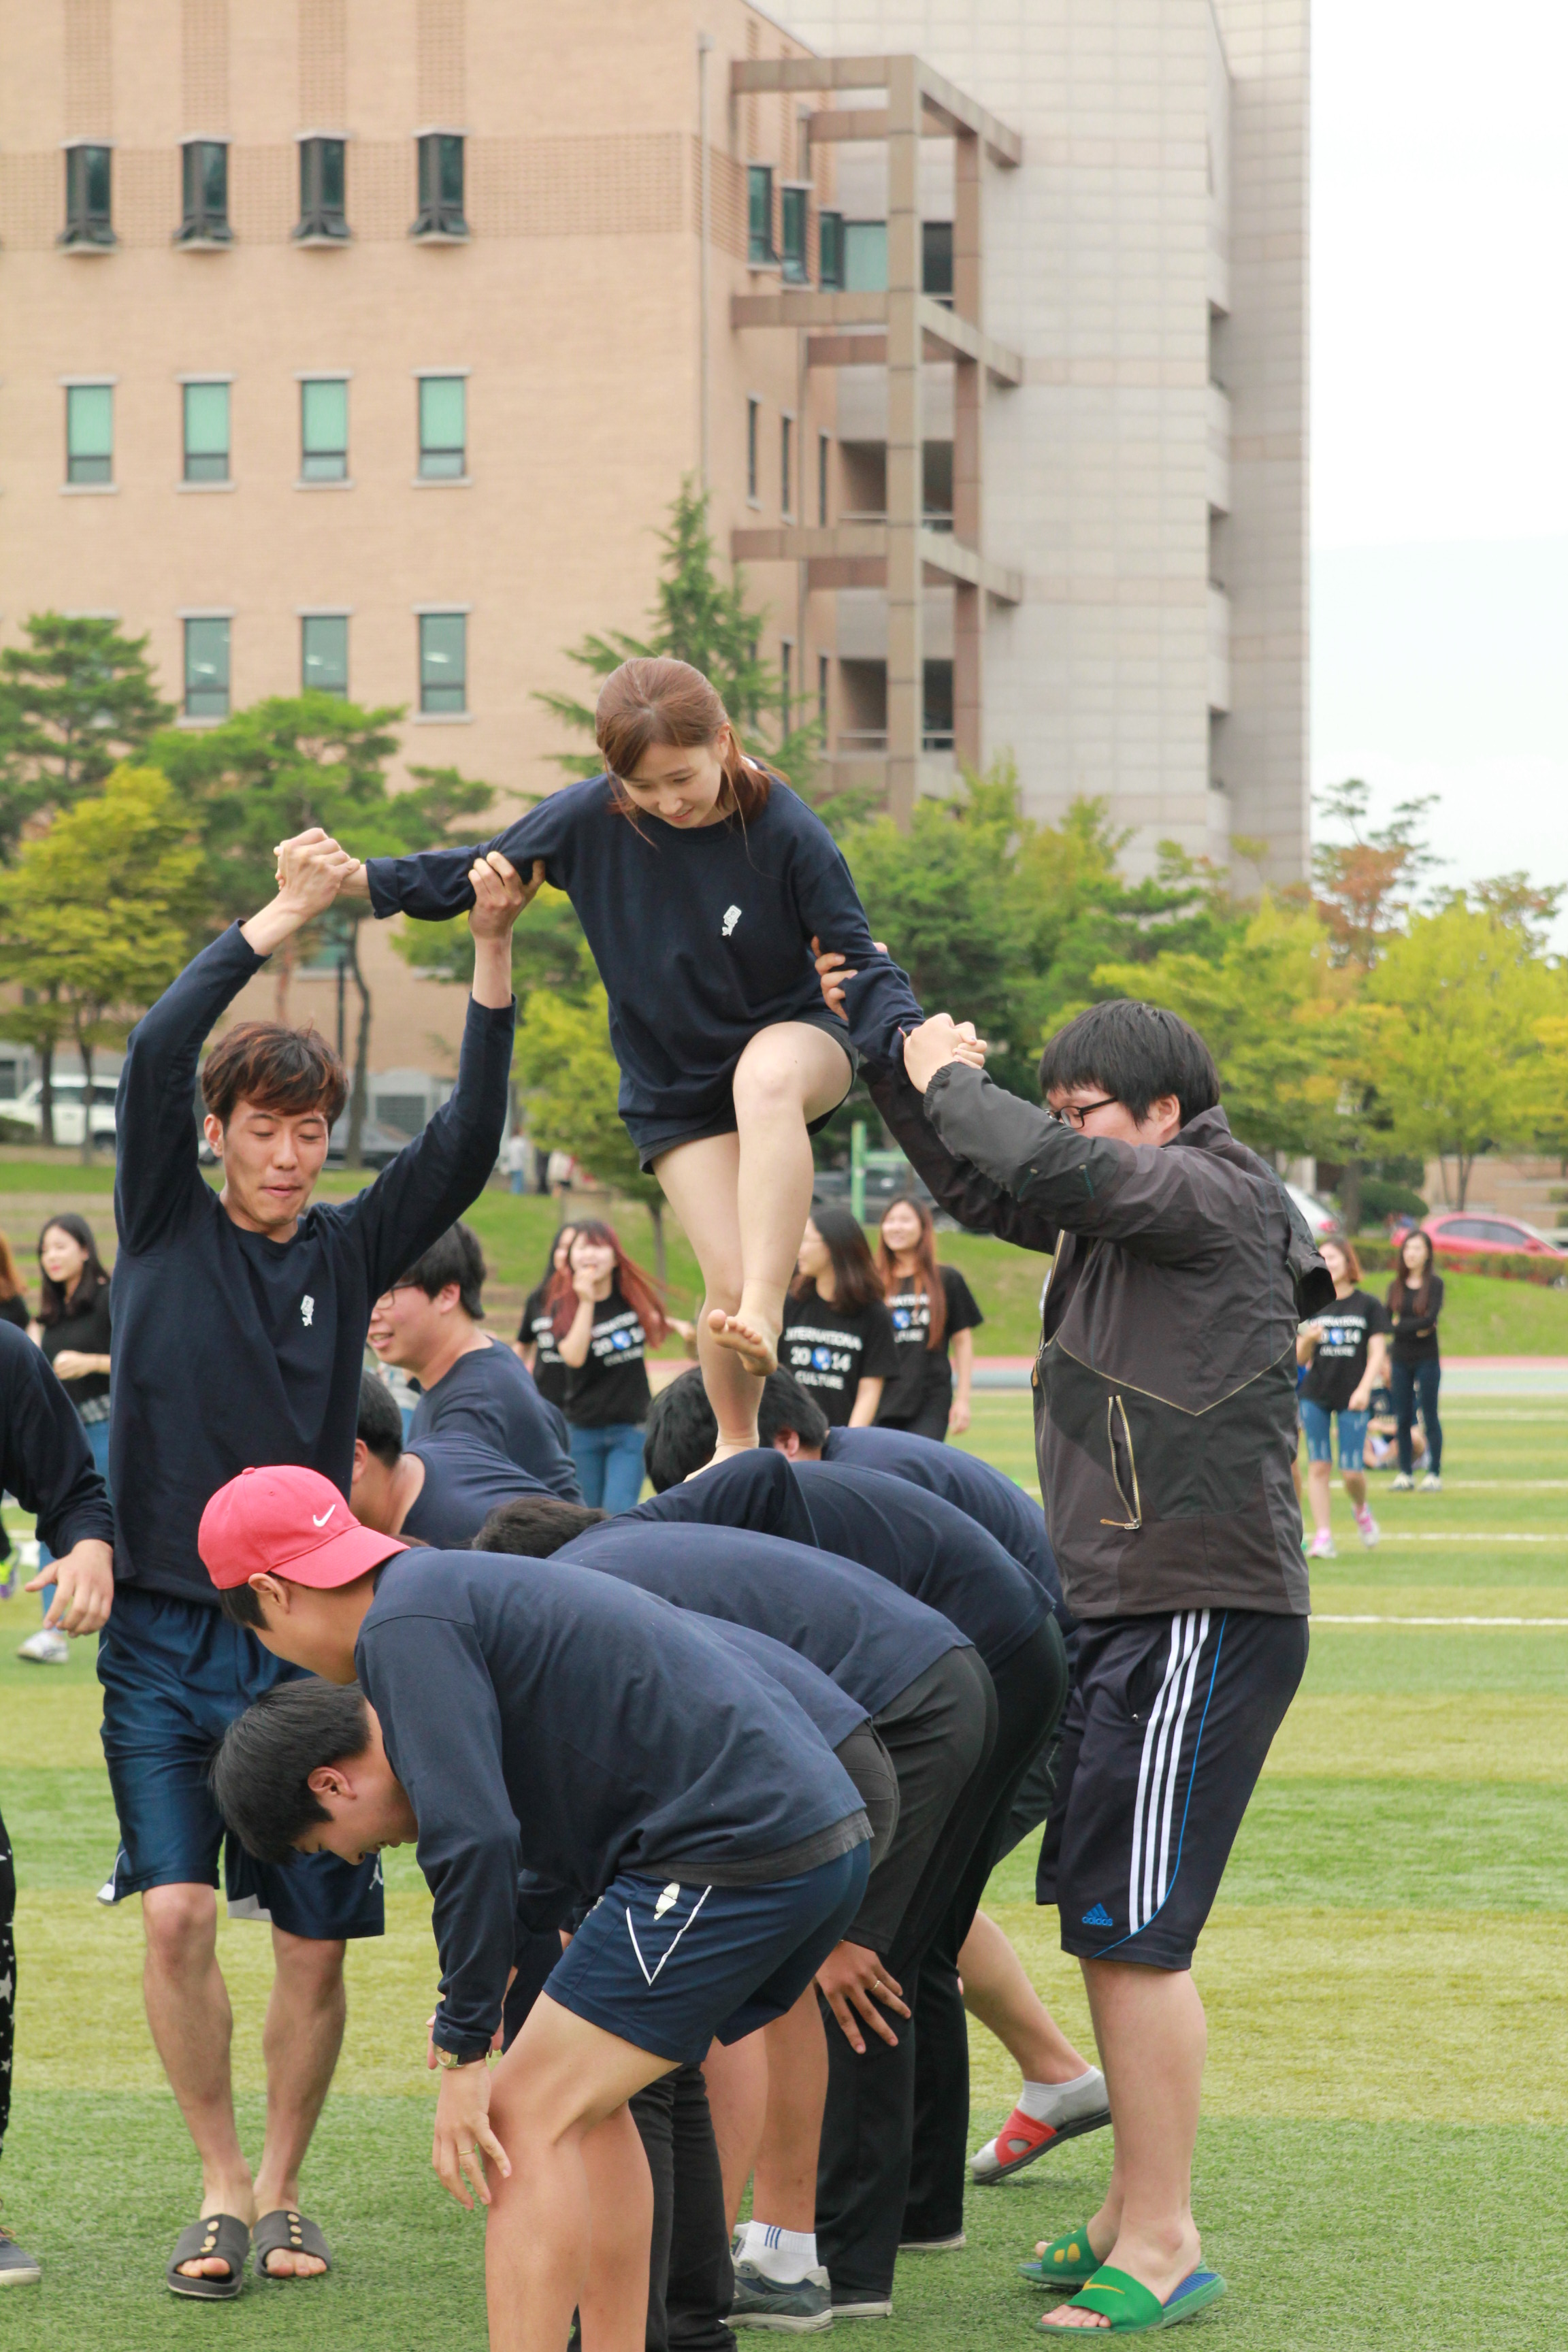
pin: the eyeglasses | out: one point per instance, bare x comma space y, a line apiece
1074, 1114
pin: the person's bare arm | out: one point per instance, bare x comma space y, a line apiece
958, 1418
867, 1397
501, 893
84, 1588
573, 1348
75, 1364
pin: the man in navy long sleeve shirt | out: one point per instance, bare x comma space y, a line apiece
610, 1746
241, 1319
45, 1463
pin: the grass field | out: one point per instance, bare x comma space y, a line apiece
1385, 2142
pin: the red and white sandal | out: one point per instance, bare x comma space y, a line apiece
1021, 2139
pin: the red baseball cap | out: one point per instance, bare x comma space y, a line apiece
286, 1522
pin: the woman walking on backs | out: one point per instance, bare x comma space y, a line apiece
73, 1330
701, 882
935, 1319
838, 1334
1414, 1303
604, 1315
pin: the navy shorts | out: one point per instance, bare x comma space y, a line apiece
671, 1966
174, 1676
655, 1136
1165, 1734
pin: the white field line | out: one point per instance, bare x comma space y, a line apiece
1475, 1486
1427, 1535
1560, 1622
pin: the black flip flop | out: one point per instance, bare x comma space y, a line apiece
286, 2231
223, 2238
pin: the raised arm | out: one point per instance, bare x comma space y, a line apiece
978, 1202
878, 1001
434, 885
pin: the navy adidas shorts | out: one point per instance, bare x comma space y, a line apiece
174, 1676
671, 1966
1166, 1732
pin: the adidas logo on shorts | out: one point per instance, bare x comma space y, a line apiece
1099, 1918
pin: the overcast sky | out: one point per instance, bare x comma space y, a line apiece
1440, 421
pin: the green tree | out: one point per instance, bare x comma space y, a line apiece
95, 915
296, 760
75, 700
704, 619
1367, 887
568, 1077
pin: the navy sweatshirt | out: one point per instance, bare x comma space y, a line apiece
464, 1483
1001, 1507
756, 1489
44, 1456
571, 1727
701, 938
232, 1350
489, 1396
868, 1638
928, 1548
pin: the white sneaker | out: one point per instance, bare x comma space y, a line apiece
1403, 1485
1367, 1527
1323, 1546
43, 1649
1431, 1483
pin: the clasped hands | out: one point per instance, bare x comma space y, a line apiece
927, 1049
313, 870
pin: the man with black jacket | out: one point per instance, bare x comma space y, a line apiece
1165, 1429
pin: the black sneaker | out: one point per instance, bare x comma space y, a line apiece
801, 2309
863, 2306
16, 2268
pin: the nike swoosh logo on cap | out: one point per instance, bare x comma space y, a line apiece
322, 1522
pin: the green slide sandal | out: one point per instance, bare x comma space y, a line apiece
1066, 2261
1129, 2307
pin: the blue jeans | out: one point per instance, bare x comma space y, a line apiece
97, 1435
1410, 1384
1316, 1423
609, 1465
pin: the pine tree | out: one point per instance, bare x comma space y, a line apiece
75, 700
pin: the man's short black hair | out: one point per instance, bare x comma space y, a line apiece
682, 1432
535, 1525
259, 1776
1135, 1053
380, 1419
785, 1405
456, 1257
240, 1606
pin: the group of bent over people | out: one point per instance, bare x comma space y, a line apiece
706, 1793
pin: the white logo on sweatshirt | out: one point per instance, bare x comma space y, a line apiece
731, 917
306, 1309
671, 1895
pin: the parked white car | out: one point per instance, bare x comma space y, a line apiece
1320, 1220
70, 1100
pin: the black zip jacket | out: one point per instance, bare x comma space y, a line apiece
1165, 1384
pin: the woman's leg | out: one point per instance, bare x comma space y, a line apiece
788, 1075
1429, 1377
1401, 1385
623, 1471
588, 1458
700, 1181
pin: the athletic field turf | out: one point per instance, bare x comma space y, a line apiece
1385, 2147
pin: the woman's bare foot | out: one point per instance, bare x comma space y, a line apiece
723, 1451
755, 1342
1159, 2267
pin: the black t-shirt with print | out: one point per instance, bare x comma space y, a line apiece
84, 1327
924, 1372
830, 1351
1339, 1366
536, 1330
611, 1388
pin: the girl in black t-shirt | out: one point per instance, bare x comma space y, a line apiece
1345, 1350
935, 1316
535, 1341
837, 1333
1414, 1303
604, 1316
73, 1330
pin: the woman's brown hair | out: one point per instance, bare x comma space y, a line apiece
1399, 1289
637, 1287
855, 1281
650, 702
55, 1301
10, 1280
1346, 1249
928, 1274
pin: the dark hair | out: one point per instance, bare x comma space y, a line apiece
855, 1282
682, 1432
535, 1525
561, 1233
54, 1301
1346, 1248
1135, 1053
380, 1419
10, 1280
455, 1257
786, 1405
259, 1776
928, 1274
239, 1604
274, 1067
649, 702
1399, 1289
637, 1287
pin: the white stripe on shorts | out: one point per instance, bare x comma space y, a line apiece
1159, 1769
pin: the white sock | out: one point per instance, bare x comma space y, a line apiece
785, 2256
1060, 2102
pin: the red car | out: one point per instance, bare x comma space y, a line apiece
1466, 1233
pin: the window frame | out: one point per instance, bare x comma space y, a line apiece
82, 481
754, 419
830, 249
205, 476
438, 216
321, 222
88, 228
786, 679
428, 709
932, 234
309, 621
308, 383
824, 472
190, 621
201, 223
794, 232
424, 449
786, 465
760, 252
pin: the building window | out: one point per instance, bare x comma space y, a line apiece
443, 661
443, 428
206, 669
823, 444
90, 433
441, 185
786, 465
822, 677
830, 251
936, 715
796, 221
204, 182
786, 677
324, 653
753, 415
760, 215
866, 257
88, 213
936, 260
324, 429
322, 210
207, 433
